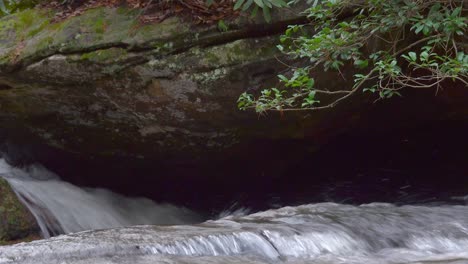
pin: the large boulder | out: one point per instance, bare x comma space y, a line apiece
103, 84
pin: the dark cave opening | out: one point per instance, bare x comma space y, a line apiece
419, 164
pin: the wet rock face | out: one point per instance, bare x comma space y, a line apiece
16, 222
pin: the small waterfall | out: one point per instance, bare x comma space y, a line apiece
60, 207
324, 233
330, 233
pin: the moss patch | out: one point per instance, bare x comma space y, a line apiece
16, 222
106, 55
31, 35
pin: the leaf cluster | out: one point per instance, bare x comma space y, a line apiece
342, 31
255, 5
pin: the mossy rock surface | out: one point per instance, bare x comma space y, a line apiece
16, 222
133, 89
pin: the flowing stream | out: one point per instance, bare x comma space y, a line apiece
60, 207
324, 233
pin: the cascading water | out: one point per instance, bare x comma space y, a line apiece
317, 233
60, 207
323, 233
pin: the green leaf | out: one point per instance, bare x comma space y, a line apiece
222, 26
424, 56
266, 14
310, 83
267, 3
259, 3
254, 12
426, 30
3, 7
238, 4
371, 90
460, 56
419, 28
279, 3
247, 5
361, 63
457, 11
283, 78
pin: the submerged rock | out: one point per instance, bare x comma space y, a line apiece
16, 222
